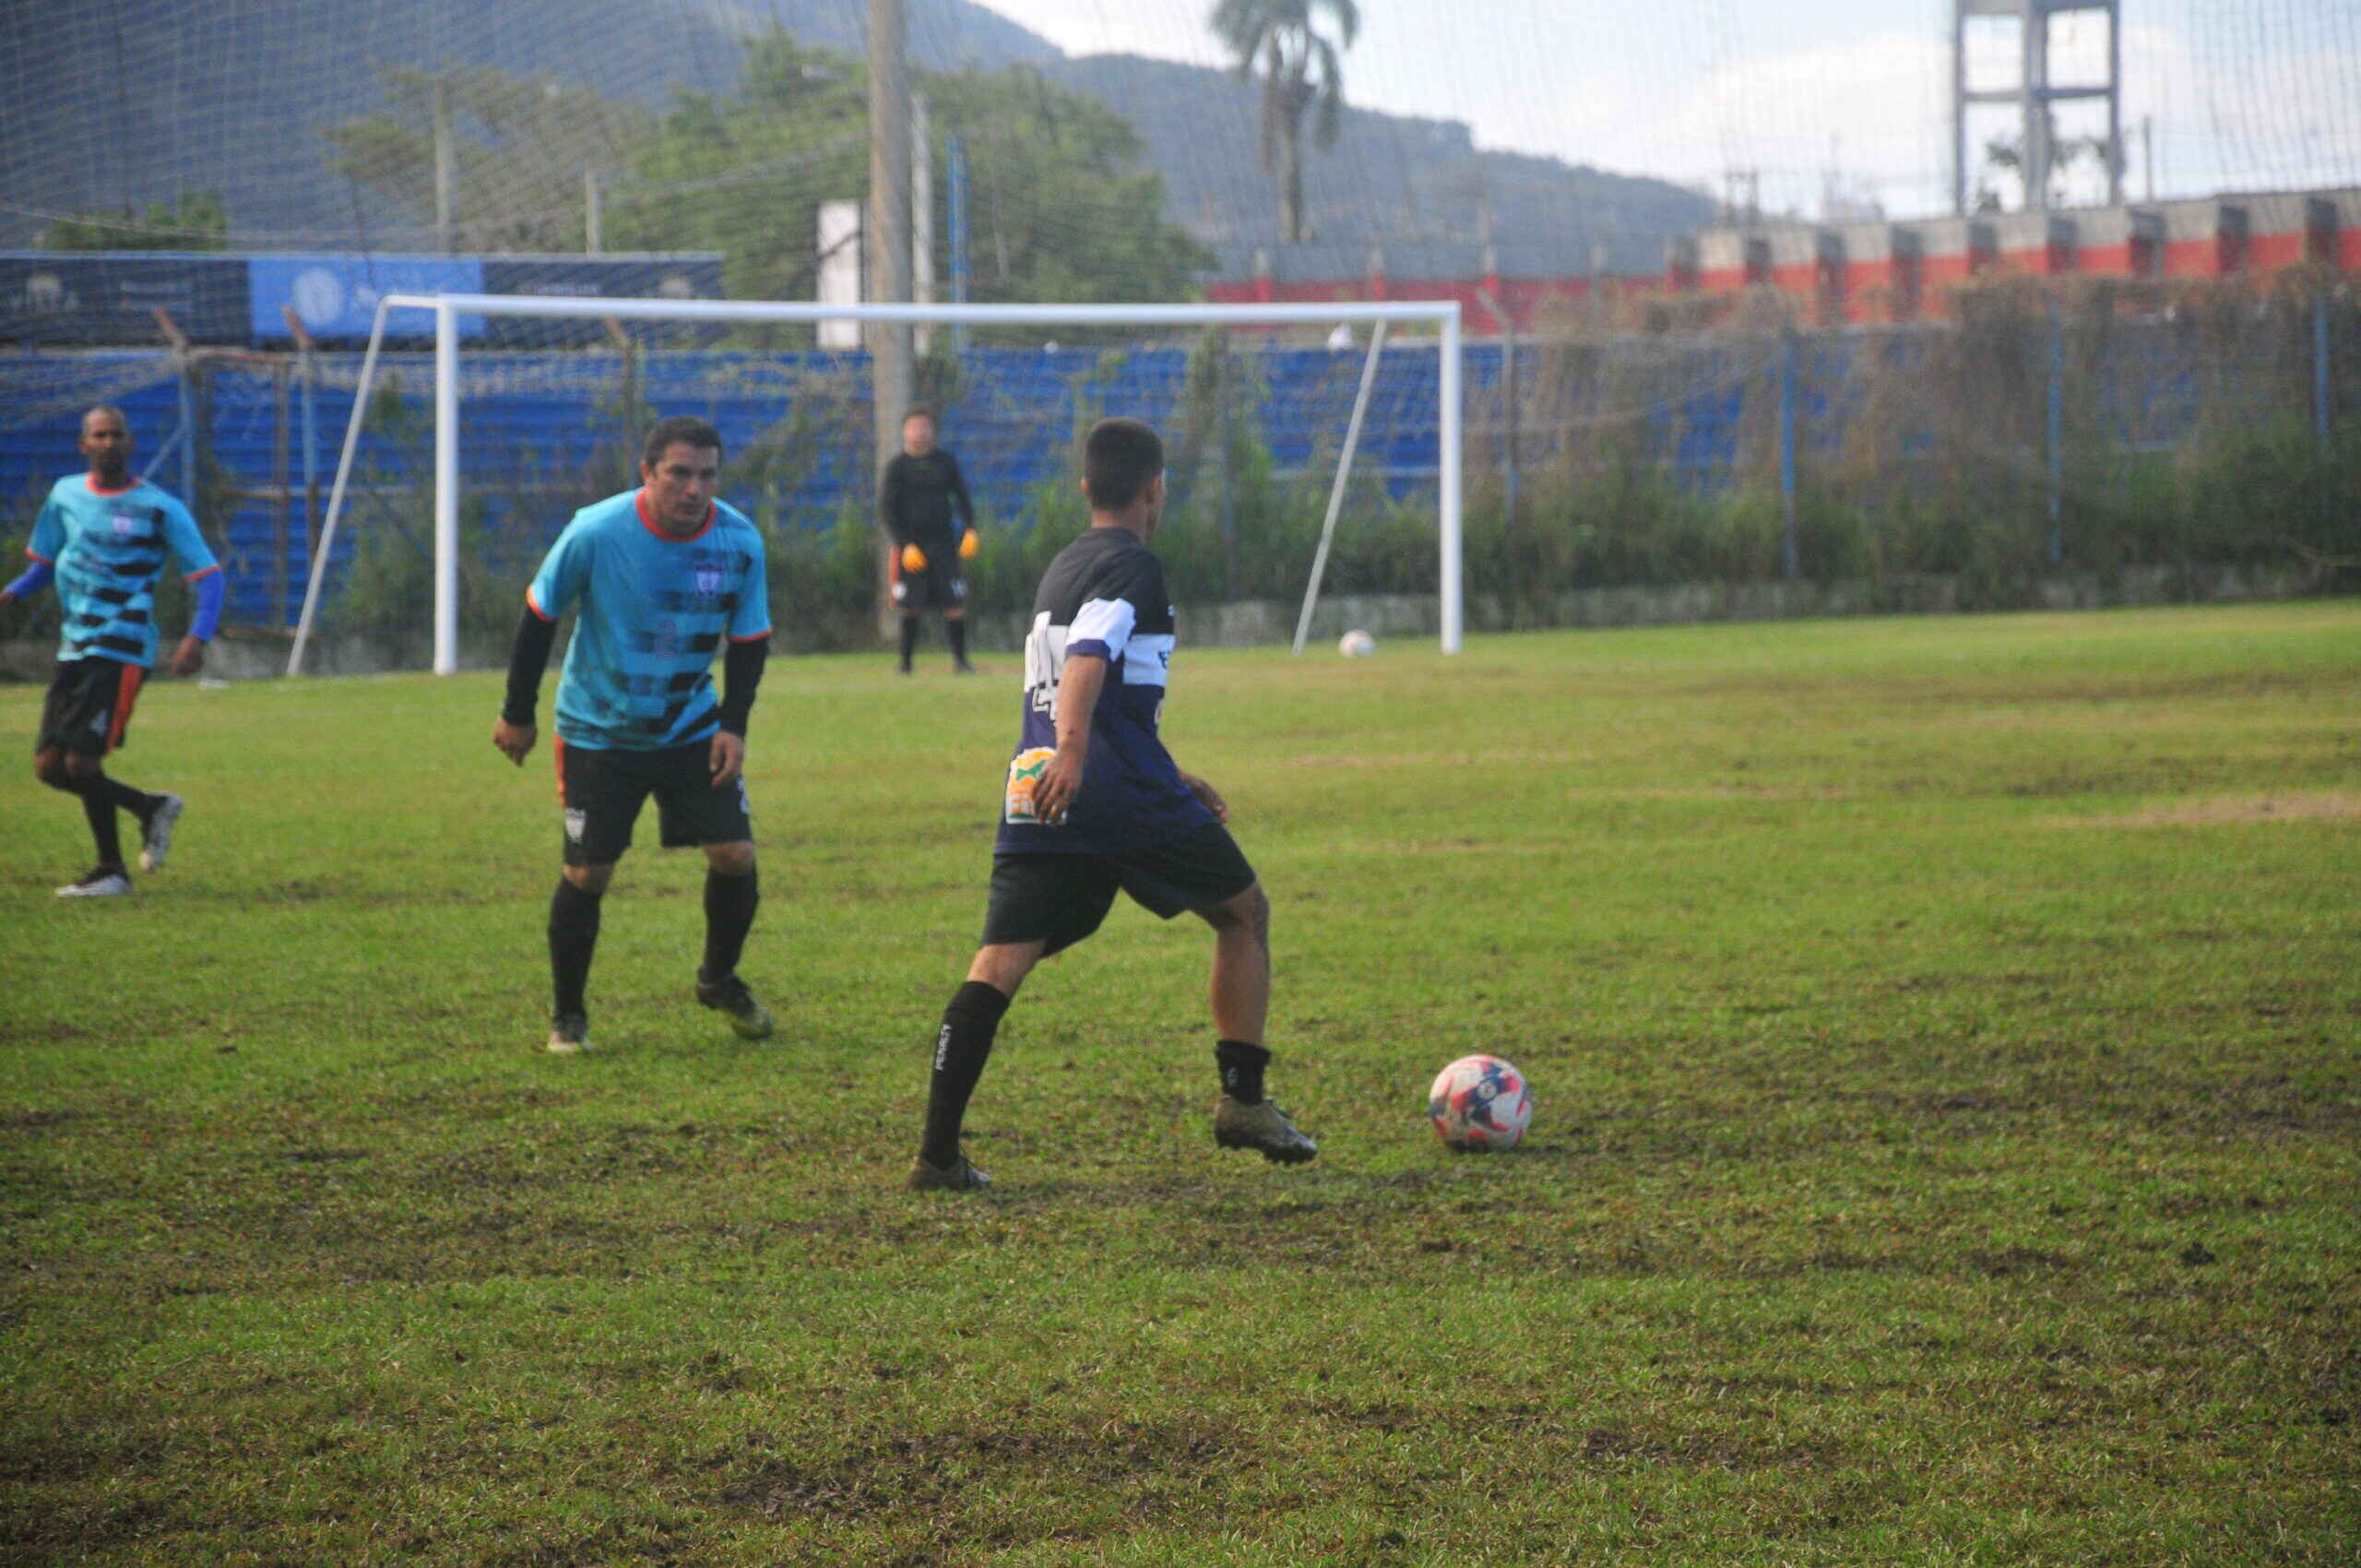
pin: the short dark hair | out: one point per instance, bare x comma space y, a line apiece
1119, 458
679, 430
921, 412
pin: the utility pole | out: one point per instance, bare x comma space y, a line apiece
590, 214
889, 255
443, 168
922, 219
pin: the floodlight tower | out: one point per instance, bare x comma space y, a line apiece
2033, 95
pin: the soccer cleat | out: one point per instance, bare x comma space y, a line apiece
1264, 1126
730, 996
101, 882
569, 1033
156, 833
964, 668
960, 1176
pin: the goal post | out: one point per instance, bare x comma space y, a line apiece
448, 310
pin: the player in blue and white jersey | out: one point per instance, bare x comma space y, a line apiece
658, 578
1095, 805
103, 537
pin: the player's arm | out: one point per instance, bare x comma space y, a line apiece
741, 674
1079, 683
528, 658
1205, 793
49, 539
202, 573
35, 578
889, 502
957, 483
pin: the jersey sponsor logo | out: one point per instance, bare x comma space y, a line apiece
1045, 663
124, 523
1024, 771
708, 578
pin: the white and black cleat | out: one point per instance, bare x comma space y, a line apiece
102, 882
156, 833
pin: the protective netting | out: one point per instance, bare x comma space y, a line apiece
2017, 443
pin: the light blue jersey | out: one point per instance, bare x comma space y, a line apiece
109, 548
653, 610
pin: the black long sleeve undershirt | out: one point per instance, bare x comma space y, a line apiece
741, 670
527, 660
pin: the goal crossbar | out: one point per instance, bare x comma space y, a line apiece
447, 309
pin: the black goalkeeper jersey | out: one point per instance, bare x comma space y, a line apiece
1105, 595
916, 497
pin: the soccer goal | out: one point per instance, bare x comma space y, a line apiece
1264, 456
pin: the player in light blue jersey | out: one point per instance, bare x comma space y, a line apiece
658, 578
103, 537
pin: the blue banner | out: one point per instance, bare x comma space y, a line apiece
336, 296
64, 297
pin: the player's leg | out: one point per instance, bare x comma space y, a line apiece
1041, 905
600, 797
954, 600
731, 894
720, 821
1205, 873
85, 719
1244, 1117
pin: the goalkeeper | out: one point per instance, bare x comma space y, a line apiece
920, 490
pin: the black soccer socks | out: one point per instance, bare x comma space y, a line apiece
101, 797
1241, 1070
729, 915
573, 936
909, 640
98, 809
960, 1050
956, 630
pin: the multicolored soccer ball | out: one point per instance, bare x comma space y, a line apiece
1480, 1104
1357, 645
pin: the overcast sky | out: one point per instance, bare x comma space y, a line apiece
2240, 93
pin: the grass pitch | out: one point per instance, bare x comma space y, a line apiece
1948, 1145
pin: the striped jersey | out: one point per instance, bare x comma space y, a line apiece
651, 609
108, 548
1104, 595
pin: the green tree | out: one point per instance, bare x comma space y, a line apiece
519, 147
1065, 208
1302, 71
194, 222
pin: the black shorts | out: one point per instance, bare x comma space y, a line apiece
939, 586
88, 706
1061, 898
601, 790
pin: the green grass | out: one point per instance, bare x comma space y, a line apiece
1948, 1145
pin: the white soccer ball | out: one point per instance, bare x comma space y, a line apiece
1357, 645
1480, 1103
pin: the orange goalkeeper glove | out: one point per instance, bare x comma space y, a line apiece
913, 558
968, 545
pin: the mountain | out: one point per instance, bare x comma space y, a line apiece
110, 104
1418, 187
114, 106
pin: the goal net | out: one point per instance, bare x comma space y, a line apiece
1302, 441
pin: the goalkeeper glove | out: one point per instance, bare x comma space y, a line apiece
913, 558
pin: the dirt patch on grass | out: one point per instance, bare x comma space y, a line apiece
2327, 805
930, 1473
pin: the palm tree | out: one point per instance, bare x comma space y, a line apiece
1302, 70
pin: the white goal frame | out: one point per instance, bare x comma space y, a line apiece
448, 308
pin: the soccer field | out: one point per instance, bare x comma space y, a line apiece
1947, 1144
